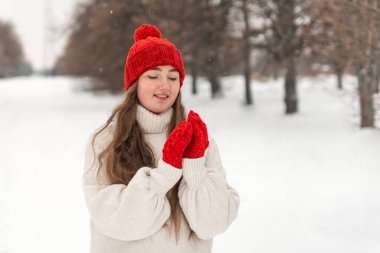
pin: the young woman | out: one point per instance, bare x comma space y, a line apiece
154, 180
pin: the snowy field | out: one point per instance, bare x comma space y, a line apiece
308, 182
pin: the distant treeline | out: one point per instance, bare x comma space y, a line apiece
255, 38
12, 62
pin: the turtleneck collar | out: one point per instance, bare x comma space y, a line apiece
151, 122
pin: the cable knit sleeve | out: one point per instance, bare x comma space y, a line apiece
208, 202
127, 212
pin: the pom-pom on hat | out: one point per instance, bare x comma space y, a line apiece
150, 50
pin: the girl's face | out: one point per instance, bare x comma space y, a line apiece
157, 88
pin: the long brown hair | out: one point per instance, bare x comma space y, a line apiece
127, 151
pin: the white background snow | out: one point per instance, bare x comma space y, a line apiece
308, 182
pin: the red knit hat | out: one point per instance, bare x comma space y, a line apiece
150, 50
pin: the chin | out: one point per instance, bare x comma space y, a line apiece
158, 110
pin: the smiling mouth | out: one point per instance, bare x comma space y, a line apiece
161, 96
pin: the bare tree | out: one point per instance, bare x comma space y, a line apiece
284, 30
351, 38
332, 39
364, 21
199, 29
102, 34
11, 53
245, 7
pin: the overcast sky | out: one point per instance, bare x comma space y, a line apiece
29, 20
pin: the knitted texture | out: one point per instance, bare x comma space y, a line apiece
150, 50
176, 144
200, 142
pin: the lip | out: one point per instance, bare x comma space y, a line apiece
161, 98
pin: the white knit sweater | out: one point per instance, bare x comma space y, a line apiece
131, 219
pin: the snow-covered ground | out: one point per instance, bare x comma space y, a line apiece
308, 182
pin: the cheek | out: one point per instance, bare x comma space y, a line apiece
176, 88
175, 91
144, 90
141, 94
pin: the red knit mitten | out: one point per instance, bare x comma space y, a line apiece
176, 144
199, 143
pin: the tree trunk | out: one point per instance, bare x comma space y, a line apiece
339, 73
376, 63
216, 90
366, 80
247, 77
194, 74
216, 87
291, 100
247, 52
377, 79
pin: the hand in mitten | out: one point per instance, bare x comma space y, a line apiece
176, 144
199, 143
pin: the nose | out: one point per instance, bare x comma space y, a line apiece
164, 83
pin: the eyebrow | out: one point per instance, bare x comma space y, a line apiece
159, 69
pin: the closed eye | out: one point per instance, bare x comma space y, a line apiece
173, 78
152, 77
